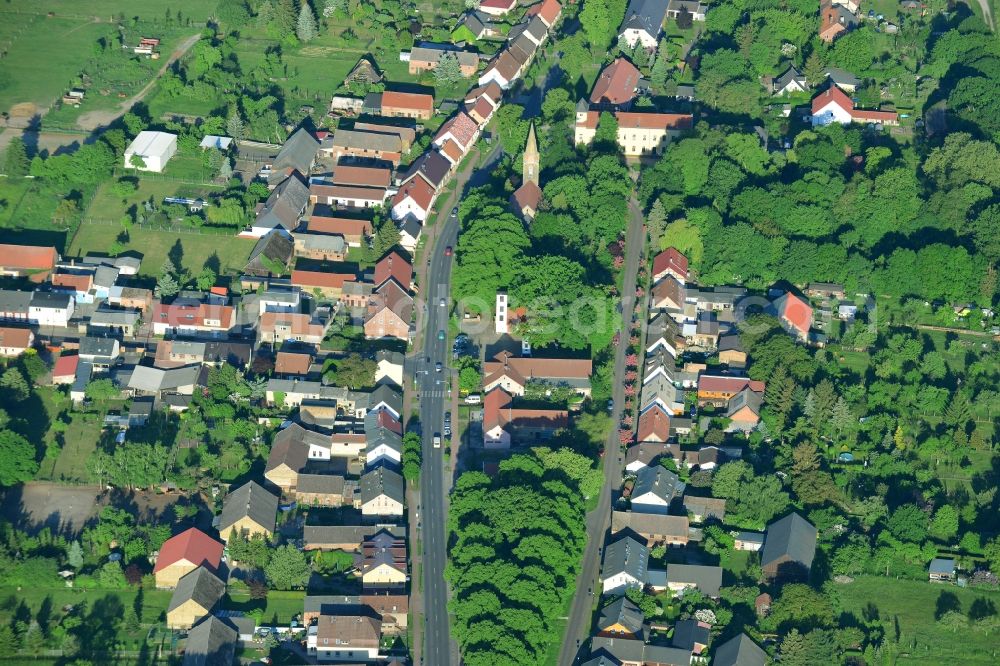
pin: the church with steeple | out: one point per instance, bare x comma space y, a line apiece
526, 198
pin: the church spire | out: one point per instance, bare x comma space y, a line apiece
531, 158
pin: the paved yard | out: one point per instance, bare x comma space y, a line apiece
63, 509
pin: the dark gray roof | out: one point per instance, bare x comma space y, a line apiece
707, 578
210, 643
276, 245
625, 556
329, 484
250, 499
790, 74
14, 301
382, 481
285, 205
390, 143
108, 317
635, 651
432, 166
739, 651
411, 226
658, 480
842, 77
50, 299
387, 395
730, 342
645, 15
621, 611
383, 437
745, 398
689, 632
200, 585
346, 534
602, 659
103, 347
298, 152
750, 537
942, 565
793, 538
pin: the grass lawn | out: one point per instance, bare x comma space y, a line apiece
280, 608
154, 246
27, 209
914, 604
685, 237
71, 465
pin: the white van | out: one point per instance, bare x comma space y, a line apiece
473, 399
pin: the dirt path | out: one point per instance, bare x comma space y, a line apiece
987, 13
95, 119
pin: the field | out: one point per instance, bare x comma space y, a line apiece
27, 206
154, 246
71, 464
913, 604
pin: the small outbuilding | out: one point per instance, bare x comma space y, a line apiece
154, 149
941, 570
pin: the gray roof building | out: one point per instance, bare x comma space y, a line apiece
212, 642
708, 579
353, 139
284, 206
690, 633
622, 613
646, 15
321, 243
153, 380
634, 651
252, 501
52, 300
381, 481
659, 482
625, 556
115, 318
386, 396
432, 166
298, 152
789, 547
739, 651
200, 585
271, 255
100, 350
14, 304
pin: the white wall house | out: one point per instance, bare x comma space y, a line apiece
155, 149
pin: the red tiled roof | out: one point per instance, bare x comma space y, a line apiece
417, 189
301, 324
16, 338
411, 101
194, 315
192, 545
307, 279
664, 121
505, 5
481, 108
527, 196
452, 151
497, 412
654, 424
670, 259
461, 127
590, 120
795, 311
290, 363
394, 266
386, 420
548, 9
344, 174
338, 192
835, 95
66, 366
27, 257
80, 283
877, 116
728, 384
344, 226
616, 84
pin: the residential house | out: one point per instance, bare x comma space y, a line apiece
271, 255
503, 69
372, 145
193, 319
432, 167
702, 509
662, 333
419, 106
834, 106
293, 449
115, 322
789, 548
79, 285
456, 136
212, 642
382, 493
194, 597
330, 490
386, 398
633, 652
655, 489
670, 262
497, 7
15, 341
158, 382
678, 7
513, 374
752, 541
835, 20
617, 86
384, 447
413, 200
532, 27
639, 133
643, 23
505, 426
389, 368
620, 618
731, 351
547, 10
353, 230
278, 327
182, 554
941, 570
382, 420
298, 153
624, 566
248, 510
656, 529
289, 365
661, 391
175, 353
743, 410
344, 537
654, 425
739, 651
668, 294
473, 25
842, 79
14, 305
100, 352
131, 298
383, 561
426, 59
389, 312
718, 390
49, 308
64, 370
789, 82
319, 247
361, 176
706, 579
645, 454
794, 313
346, 638
322, 283
345, 196
283, 208
31, 261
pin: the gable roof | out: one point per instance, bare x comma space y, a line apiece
292, 363
417, 189
649, 523
789, 75
291, 447
622, 612
191, 545
547, 10
707, 578
284, 205
146, 378
298, 152
647, 452
659, 481
746, 398
249, 500
201, 586
16, 338
627, 556
462, 128
27, 257
739, 651
528, 196
646, 15
344, 226
382, 481
795, 311
308, 279
393, 265
363, 140
790, 539
211, 642
659, 121
411, 101
728, 384
432, 166
616, 84
673, 260
361, 176
275, 246
653, 423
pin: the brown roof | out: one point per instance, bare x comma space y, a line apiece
526, 368
654, 424
661, 121
306, 279
395, 266
668, 289
27, 257
506, 64
528, 195
289, 363
617, 83
452, 151
649, 523
80, 283
590, 120
498, 412
728, 384
347, 192
481, 107
16, 338
417, 189
344, 226
547, 9
404, 100
491, 91
393, 297
194, 315
301, 324
670, 259
357, 632
344, 174
462, 127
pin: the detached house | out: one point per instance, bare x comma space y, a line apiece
212, 641
616, 87
744, 410
835, 20
15, 341
670, 262
794, 313
248, 510
834, 106
739, 651
625, 566
621, 618
789, 548
504, 426
183, 553
292, 450
790, 81
643, 23
655, 490
706, 579
195, 596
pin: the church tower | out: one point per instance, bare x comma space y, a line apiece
531, 157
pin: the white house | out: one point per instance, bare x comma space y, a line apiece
155, 149
382, 493
389, 368
414, 199
384, 446
624, 567
834, 106
50, 308
655, 488
643, 22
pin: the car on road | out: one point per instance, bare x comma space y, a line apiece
454, 211
611, 405
437, 367
443, 302
447, 251
437, 440
473, 399
441, 334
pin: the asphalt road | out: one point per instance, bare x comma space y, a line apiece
434, 396
599, 520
